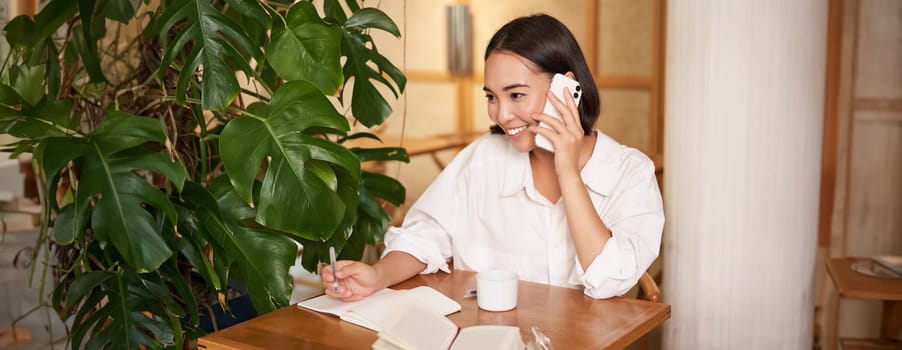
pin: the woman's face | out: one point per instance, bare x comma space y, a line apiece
516, 89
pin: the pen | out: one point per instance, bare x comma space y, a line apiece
332, 262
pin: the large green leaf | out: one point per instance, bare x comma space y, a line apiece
24, 31
87, 317
28, 82
119, 216
9, 97
373, 219
263, 256
107, 176
118, 322
216, 42
32, 124
334, 12
364, 64
242, 159
298, 201
70, 222
53, 154
10, 105
82, 285
90, 19
173, 277
352, 5
120, 131
372, 17
296, 196
50, 118
307, 48
54, 69
384, 187
318, 250
252, 11
253, 19
194, 235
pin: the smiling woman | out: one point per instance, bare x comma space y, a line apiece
587, 216
621, 42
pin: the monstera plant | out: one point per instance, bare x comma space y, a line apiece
185, 142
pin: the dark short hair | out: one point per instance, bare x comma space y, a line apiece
548, 44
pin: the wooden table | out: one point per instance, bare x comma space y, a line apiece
571, 319
851, 284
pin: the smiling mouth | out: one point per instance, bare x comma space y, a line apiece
516, 131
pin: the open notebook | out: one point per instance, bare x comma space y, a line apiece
417, 328
377, 310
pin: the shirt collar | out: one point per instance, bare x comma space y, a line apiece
516, 169
600, 171
597, 174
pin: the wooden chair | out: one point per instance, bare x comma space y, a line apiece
648, 288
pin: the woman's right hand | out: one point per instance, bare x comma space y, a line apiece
356, 280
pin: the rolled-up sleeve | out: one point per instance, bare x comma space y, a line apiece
423, 238
441, 210
635, 216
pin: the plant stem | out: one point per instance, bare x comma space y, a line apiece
255, 94
246, 113
187, 99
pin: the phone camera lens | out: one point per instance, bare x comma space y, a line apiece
577, 88
575, 95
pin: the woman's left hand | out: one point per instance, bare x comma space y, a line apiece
566, 134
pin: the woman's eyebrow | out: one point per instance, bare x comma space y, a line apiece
509, 87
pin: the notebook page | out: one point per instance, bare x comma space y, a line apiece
415, 327
489, 337
382, 344
333, 306
375, 315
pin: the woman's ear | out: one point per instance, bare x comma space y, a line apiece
570, 75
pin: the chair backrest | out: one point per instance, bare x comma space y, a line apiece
648, 288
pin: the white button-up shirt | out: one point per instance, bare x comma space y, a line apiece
485, 212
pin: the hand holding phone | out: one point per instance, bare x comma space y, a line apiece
558, 83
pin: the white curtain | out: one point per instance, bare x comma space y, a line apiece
744, 114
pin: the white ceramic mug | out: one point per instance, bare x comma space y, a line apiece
496, 290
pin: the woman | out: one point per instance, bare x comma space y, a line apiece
588, 215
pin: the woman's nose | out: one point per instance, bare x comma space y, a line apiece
504, 113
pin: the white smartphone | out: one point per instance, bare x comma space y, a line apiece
558, 83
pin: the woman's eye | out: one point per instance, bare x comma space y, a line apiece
490, 98
517, 95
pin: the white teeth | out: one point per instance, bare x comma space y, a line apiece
515, 131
